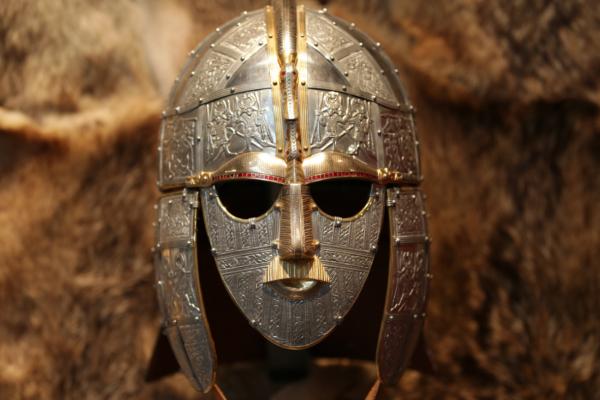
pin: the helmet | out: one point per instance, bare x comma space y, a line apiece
297, 100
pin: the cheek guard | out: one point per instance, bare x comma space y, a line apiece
293, 98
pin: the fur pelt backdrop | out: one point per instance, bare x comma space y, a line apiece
508, 97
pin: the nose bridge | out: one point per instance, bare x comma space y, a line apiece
296, 233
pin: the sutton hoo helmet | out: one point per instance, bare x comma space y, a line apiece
300, 100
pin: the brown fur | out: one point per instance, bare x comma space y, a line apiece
508, 98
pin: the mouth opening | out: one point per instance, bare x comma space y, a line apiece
297, 278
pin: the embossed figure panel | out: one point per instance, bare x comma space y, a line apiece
178, 291
322, 33
364, 75
244, 250
399, 142
177, 148
237, 124
210, 72
409, 215
248, 35
175, 215
341, 123
207, 77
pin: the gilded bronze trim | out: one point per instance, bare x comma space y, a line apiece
303, 78
254, 165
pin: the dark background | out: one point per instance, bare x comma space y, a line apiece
507, 94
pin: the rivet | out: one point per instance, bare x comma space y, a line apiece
346, 73
337, 222
177, 110
253, 322
352, 25
316, 44
156, 206
189, 242
275, 244
160, 283
303, 83
212, 45
396, 70
164, 114
397, 240
260, 43
424, 315
213, 250
374, 248
382, 72
192, 73
373, 97
239, 24
344, 88
227, 76
391, 317
378, 44
415, 316
218, 29
242, 58
361, 44
173, 322
170, 202
429, 276
232, 90
274, 83
379, 132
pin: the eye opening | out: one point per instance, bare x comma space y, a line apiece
342, 198
247, 199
